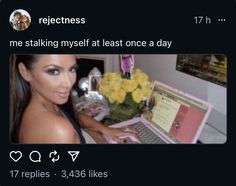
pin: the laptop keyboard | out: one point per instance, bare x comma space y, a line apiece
146, 136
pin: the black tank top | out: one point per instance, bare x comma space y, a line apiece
75, 124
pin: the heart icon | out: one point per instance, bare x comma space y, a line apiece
15, 155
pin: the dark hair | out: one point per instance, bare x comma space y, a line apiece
16, 13
20, 93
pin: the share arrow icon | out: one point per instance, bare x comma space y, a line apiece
73, 154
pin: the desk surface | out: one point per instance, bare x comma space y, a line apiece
210, 135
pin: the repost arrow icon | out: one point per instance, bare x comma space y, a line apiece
73, 154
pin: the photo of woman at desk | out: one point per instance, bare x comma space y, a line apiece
41, 107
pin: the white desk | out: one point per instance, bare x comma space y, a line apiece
210, 135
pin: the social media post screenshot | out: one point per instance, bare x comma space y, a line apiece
105, 93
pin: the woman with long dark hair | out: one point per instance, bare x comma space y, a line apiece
41, 108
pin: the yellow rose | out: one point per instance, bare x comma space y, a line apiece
112, 76
118, 96
128, 85
145, 84
115, 84
104, 88
111, 98
137, 95
140, 76
114, 87
137, 70
146, 89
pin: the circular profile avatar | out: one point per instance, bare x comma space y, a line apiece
20, 20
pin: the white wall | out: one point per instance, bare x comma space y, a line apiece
162, 68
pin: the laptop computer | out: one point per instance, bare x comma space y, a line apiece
171, 117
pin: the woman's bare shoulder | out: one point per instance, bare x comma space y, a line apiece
46, 127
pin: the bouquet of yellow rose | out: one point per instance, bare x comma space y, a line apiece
126, 96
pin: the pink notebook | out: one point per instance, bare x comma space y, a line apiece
172, 117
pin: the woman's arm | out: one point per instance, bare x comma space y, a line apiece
89, 123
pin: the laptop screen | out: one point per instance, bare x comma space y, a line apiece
178, 114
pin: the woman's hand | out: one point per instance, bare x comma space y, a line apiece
112, 135
120, 135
